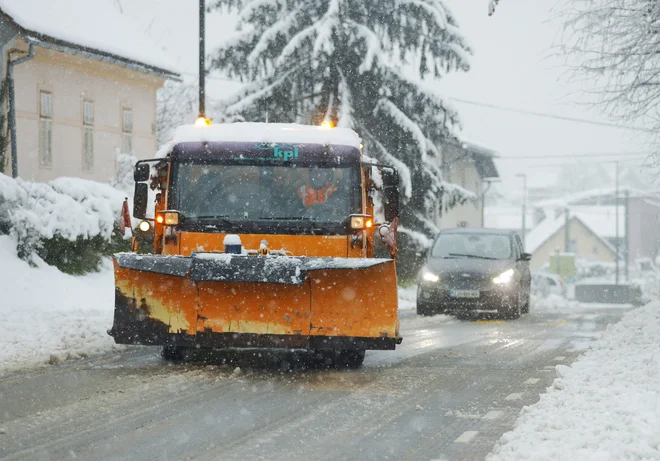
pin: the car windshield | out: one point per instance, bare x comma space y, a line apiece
467, 245
263, 192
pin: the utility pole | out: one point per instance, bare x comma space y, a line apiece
524, 207
202, 55
626, 204
616, 219
567, 233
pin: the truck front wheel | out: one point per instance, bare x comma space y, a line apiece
347, 358
350, 359
173, 353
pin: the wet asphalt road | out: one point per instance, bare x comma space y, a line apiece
447, 393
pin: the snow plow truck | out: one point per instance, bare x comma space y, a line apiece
263, 237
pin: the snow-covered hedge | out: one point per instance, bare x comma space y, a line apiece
66, 221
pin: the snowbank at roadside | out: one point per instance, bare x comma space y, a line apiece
48, 316
408, 298
606, 406
554, 303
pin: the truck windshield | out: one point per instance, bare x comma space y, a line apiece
264, 192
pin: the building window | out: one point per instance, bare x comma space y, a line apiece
88, 135
127, 131
45, 129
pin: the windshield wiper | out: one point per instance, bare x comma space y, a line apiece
287, 218
212, 220
470, 256
212, 216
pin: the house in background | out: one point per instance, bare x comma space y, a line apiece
86, 90
639, 217
470, 166
550, 237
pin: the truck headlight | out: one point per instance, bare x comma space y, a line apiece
430, 277
504, 278
144, 226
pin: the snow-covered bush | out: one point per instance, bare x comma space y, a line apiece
123, 178
69, 222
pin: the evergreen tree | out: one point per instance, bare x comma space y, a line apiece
359, 64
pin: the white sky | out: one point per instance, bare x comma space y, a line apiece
512, 66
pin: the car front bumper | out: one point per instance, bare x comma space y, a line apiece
491, 298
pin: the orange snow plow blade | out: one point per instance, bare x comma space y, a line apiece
222, 300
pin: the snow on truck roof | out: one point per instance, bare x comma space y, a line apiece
92, 27
286, 133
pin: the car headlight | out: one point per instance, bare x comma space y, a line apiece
430, 277
504, 278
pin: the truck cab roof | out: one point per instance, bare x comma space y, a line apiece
284, 133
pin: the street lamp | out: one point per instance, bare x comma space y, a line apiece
524, 206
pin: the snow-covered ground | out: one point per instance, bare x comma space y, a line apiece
47, 316
606, 406
408, 298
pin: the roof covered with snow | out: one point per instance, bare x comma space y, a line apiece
551, 225
542, 233
95, 27
288, 133
601, 219
603, 194
483, 158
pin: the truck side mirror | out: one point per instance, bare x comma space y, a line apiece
390, 192
140, 199
142, 171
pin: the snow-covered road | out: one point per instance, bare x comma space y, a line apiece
452, 390
448, 392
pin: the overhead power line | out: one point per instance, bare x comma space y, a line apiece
493, 106
549, 156
548, 115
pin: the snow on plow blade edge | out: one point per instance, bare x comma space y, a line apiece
221, 300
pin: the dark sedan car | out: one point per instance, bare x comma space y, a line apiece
475, 270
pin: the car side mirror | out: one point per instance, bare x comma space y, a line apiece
390, 193
526, 257
142, 171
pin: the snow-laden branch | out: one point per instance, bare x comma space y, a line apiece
422, 240
326, 27
373, 44
345, 114
252, 97
278, 28
388, 108
437, 14
294, 44
614, 45
253, 6
404, 172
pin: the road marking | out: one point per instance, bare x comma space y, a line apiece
492, 415
514, 396
549, 367
532, 381
560, 357
466, 437
547, 371
492, 322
